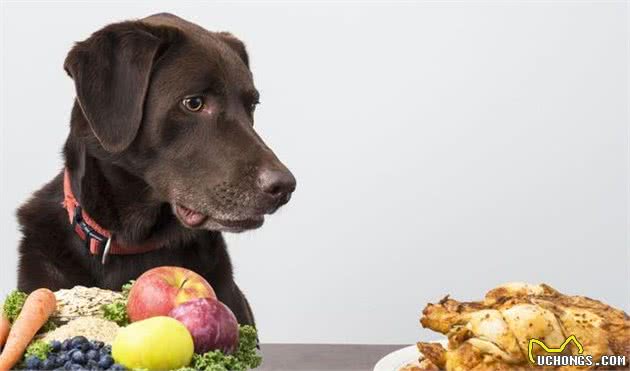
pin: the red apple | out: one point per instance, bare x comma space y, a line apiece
157, 291
211, 323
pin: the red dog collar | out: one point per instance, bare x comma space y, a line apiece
96, 238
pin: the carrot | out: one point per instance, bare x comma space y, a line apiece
38, 307
5, 326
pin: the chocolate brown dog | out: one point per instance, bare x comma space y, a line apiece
161, 158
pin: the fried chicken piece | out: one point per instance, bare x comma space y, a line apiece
441, 317
601, 329
494, 334
518, 290
528, 321
468, 357
434, 353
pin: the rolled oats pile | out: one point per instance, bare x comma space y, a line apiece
93, 328
81, 301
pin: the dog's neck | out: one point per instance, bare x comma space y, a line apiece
117, 200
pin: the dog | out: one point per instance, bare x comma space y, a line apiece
161, 158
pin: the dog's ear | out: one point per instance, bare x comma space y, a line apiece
236, 45
111, 72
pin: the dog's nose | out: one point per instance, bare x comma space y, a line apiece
278, 184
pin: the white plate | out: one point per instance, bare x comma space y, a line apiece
401, 357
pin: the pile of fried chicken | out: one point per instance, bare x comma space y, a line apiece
494, 334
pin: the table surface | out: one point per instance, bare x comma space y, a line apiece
319, 357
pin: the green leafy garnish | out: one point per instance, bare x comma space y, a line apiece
126, 288
13, 306
38, 348
117, 311
246, 356
247, 346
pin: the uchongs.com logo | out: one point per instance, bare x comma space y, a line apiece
556, 357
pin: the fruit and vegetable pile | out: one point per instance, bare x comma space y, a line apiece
168, 319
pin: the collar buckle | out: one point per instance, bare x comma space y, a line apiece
108, 247
87, 233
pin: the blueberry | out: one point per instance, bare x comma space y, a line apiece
58, 362
105, 352
76, 367
70, 353
77, 341
106, 362
48, 364
62, 358
78, 358
33, 362
93, 365
97, 344
65, 345
68, 365
92, 355
53, 360
108, 348
55, 346
85, 346
117, 367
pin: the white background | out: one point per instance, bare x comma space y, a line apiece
439, 148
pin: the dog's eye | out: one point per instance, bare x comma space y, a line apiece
193, 104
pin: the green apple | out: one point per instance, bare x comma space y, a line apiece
157, 343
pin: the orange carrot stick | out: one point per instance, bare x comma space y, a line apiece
5, 326
38, 307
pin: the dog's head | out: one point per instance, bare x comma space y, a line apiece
173, 103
